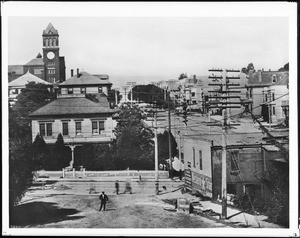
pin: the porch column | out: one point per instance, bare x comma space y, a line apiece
72, 150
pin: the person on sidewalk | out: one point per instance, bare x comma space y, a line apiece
117, 187
103, 199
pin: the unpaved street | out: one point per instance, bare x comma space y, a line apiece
47, 209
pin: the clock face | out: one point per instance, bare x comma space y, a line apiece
50, 55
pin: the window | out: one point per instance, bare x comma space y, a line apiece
70, 90
14, 91
78, 127
65, 128
273, 110
49, 129
234, 161
42, 129
273, 96
97, 127
200, 159
46, 129
37, 71
82, 89
193, 94
194, 160
100, 90
266, 97
274, 78
51, 63
51, 71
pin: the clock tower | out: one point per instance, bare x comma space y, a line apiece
54, 64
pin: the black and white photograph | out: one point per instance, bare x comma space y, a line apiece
149, 119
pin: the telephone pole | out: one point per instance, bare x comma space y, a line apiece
223, 102
170, 145
156, 154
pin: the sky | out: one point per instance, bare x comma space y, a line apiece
145, 48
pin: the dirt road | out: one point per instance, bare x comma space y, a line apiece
47, 209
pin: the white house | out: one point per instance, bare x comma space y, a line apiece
18, 84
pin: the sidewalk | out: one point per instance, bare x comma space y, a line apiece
235, 217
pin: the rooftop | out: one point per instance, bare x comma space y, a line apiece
73, 106
50, 30
25, 79
36, 61
86, 79
266, 78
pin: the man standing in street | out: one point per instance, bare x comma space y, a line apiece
103, 199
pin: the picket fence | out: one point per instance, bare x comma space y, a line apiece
83, 174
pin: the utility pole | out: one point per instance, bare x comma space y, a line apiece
170, 145
223, 102
156, 155
116, 97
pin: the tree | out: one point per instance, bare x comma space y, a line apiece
133, 146
246, 70
150, 94
284, 68
182, 76
111, 97
31, 98
60, 154
25, 157
163, 146
40, 153
278, 204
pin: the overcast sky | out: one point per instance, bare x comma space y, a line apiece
152, 48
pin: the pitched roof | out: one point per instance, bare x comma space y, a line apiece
72, 106
36, 61
18, 69
25, 79
85, 79
266, 78
50, 29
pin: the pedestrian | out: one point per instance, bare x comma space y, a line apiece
103, 199
128, 187
117, 187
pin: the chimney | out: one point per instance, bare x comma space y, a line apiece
77, 73
72, 72
259, 76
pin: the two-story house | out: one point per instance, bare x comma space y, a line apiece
77, 117
85, 83
269, 93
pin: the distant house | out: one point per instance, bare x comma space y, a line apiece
85, 83
269, 92
18, 84
248, 159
